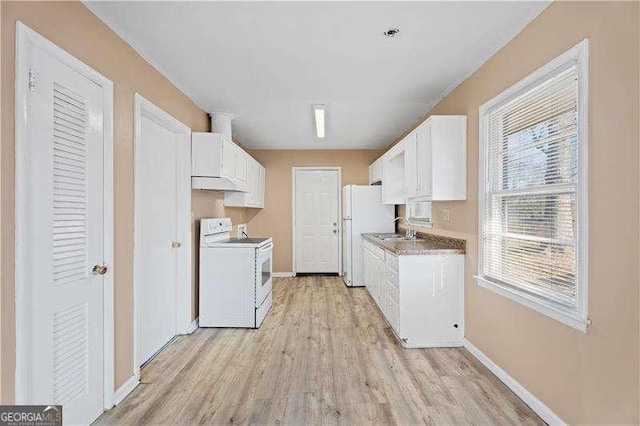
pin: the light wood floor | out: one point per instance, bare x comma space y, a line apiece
324, 355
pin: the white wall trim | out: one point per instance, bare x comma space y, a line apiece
124, 390
193, 326
25, 39
293, 213
530, 399
144, 107
283, 274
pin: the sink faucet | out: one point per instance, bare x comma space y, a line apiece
410, 233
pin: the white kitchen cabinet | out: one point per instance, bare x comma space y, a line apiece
393, 175
429, 163
254, 197
420, 296
262, 183
399, 171
410, 165
217, 163
441, 158
375, 172
240, 160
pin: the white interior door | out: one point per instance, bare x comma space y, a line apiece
317, 229
156, 235
61, 237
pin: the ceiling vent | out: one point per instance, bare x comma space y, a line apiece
392, 32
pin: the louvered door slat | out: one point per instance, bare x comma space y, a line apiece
70, 353
69, 187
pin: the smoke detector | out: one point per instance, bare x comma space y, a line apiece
392, 32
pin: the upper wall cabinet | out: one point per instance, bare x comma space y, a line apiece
254, 197
375, 172
441, 158
394, 173
430, 162
218, 164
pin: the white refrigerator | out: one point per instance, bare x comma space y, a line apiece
362, 212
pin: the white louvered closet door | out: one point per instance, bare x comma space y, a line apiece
64, 229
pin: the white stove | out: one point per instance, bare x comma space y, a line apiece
216, 233
235, 277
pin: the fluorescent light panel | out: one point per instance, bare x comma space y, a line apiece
318, 112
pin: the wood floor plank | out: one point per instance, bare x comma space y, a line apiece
324, 355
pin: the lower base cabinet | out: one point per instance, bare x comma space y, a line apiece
420, 296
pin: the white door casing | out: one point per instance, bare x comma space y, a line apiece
347, 259
64, 227
316, 212
162, 242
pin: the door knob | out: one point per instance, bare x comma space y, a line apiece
100, 269
176, 244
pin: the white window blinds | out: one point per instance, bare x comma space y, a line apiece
530, 189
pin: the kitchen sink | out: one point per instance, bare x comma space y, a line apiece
394, 237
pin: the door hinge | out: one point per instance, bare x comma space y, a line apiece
32, 80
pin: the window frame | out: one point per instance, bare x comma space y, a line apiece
577, 319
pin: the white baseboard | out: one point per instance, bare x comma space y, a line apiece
193, 326
124, 390
283, 274
530, 399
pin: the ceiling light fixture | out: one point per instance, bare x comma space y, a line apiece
318, 112
392, 32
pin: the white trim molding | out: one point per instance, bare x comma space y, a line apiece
293, 213
539, 407
125, 389
575, 317
26, 38
283, 274
193, 326
184, 325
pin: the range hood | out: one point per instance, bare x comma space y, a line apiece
210, 157
217, 184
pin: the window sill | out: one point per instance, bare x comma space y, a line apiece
536, 304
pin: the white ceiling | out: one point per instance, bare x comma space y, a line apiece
268, 62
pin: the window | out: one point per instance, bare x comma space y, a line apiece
533, 188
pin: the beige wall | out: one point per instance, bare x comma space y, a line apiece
592, 377
275, 219
71, 26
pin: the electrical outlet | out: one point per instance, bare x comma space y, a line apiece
242, 230
446, 215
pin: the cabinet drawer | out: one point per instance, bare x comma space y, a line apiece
392, 277
392, 260
392, 315
377, 251
393, 293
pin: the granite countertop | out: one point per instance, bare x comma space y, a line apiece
423, 244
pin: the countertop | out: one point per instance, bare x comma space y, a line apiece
422, 245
